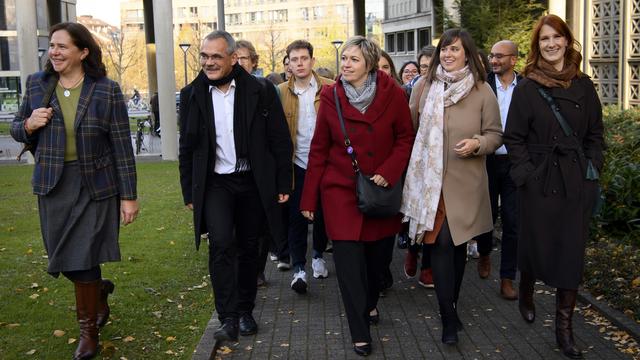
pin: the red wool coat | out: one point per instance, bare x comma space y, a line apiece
382, 138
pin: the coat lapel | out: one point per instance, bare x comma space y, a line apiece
85, 97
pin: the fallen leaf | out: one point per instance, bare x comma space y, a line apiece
29, 252
31, 352
160, 228
636, 282
169, 352
248, 348
71, 341
284, 345
157, 314
172, 242
225, 350
11, 326
34, 296
171, 338
128, 339
34, 286
58, 333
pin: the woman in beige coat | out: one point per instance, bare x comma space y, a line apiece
446, 196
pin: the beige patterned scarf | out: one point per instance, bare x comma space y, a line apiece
423, 183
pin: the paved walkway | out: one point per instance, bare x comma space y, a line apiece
313, 326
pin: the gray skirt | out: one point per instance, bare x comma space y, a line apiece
79, 233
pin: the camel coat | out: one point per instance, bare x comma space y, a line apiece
465, 186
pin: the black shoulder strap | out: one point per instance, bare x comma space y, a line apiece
566, 128
347, 142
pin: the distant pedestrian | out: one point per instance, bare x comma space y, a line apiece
375, 111
446, 194
555, 168
385, 64
76, 121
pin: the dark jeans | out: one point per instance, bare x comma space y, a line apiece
448, 263
299, 226
267, 243
235, 220
501, 185
359, 266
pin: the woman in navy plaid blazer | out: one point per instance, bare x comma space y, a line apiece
74, 120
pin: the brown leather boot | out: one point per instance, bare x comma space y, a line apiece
525, 298
565, 303
106, 288
87, 295
484, 266
507, 291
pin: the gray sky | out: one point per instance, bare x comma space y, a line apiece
108, 11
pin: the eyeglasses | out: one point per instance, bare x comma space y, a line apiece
409, 71
499, 56
215, 57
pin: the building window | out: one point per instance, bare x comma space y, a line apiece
318, 12
391, 43
8, 15
305, 13
424, 37
410, 41
193, 11
400, 42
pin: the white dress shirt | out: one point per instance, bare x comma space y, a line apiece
306, 122
223, 118
504, 100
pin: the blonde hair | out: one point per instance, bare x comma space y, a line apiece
370, 51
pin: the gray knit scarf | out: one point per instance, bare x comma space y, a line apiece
361, 98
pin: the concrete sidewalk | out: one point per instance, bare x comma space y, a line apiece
313, 326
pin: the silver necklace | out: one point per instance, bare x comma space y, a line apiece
67, 91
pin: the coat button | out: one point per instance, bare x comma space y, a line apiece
555, 163
537, 178
554, 191
577, 106
370, 128
575, 133
370, 153
352, 130
555, 138
574, 160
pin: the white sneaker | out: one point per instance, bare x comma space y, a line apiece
472, 250
283, 266
273, 257
299, 282
319, 267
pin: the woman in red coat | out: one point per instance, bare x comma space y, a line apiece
378, 122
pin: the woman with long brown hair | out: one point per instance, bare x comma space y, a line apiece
75, 120
446, 192
554, 137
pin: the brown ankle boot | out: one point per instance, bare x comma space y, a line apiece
525, 297
87, 295
565, 303
106, 288
484, 266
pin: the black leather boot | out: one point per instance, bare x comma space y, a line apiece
525, 297
565, 303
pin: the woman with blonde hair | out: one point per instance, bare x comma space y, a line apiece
374, 109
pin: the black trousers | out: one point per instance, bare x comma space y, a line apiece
448, 263
299, 226
359, 265
267, 242
235, 221
501, 185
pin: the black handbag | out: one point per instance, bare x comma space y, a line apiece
592, 172
373, 200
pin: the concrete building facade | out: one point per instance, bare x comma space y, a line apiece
408, 25
24, 29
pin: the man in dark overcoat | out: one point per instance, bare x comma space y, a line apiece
235, 167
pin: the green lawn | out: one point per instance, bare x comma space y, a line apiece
4, 127
163, 297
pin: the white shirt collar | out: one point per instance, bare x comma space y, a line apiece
232, 85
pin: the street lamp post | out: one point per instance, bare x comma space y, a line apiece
337, 44
41, 52
185, 47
